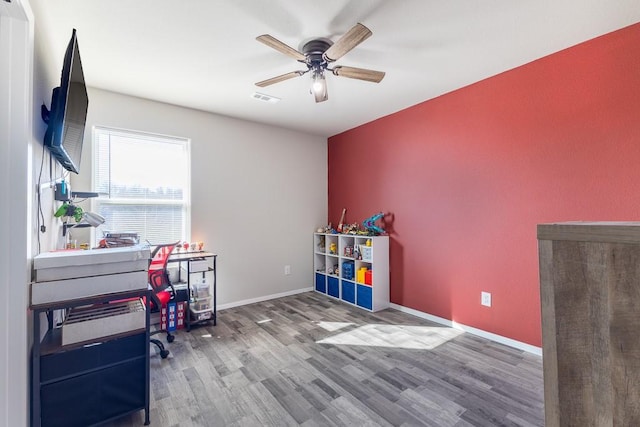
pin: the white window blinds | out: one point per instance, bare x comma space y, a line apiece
143, 181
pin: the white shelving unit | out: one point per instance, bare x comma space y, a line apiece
337, 260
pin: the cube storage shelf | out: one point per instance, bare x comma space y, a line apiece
339, 263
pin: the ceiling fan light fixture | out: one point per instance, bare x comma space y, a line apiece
319, 85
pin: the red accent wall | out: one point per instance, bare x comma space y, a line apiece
467, 176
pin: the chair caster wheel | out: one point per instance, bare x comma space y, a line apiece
164, 353
170, 338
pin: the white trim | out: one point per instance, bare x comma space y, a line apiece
16, 193
474, 331
422, 315
264, 298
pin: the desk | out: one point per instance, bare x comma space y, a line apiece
94, 368
206, 264
93, 381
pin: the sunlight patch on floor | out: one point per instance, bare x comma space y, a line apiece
394, 336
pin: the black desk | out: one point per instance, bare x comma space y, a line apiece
187, 257
88, 382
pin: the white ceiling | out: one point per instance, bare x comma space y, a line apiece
203, 54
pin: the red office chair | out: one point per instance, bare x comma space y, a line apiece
159, 282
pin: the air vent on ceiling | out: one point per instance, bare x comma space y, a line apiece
263, 97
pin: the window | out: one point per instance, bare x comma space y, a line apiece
144, 184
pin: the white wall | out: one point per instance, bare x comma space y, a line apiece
258, 192
16, 69
47, 68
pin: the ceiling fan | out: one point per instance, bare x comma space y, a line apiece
317, 54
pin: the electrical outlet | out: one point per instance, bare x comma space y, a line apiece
485, 299
287, 270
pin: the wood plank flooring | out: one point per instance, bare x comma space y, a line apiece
308, 360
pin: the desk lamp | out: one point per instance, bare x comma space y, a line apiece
89, 219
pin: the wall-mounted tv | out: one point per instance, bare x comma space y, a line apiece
68, 114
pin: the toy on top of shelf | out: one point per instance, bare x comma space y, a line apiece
369, 224
351, 228
328, 229
340, 224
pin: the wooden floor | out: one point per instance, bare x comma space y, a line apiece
312, 361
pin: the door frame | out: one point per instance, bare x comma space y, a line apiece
16, 194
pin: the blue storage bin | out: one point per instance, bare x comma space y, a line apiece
321, 283
349, 292
365, 297
333, 287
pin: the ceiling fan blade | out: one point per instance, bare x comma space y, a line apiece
280, 78
351, 39
276, 44
359, 73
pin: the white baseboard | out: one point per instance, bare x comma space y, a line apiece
474, 331
263, 298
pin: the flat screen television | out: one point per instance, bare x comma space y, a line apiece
67, 117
